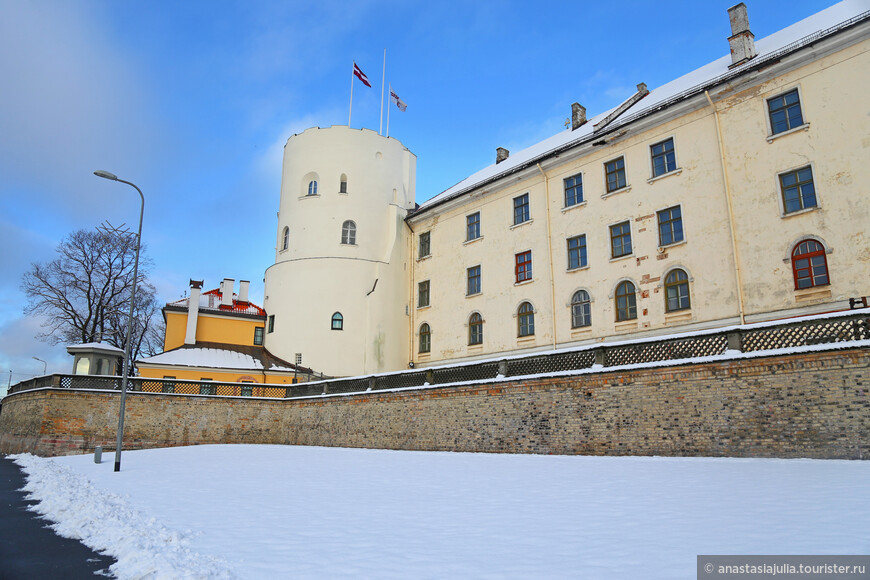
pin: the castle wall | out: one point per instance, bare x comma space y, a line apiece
810, 405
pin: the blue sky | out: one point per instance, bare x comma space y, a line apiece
193, 101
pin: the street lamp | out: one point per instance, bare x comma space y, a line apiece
129, 343
44, 365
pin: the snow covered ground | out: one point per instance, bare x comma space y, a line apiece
259, 512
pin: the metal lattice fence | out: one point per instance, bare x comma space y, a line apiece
751, 338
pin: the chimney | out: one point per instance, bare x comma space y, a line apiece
578, 115
227, 292
243, 290
501, 154
742, 41
192, 311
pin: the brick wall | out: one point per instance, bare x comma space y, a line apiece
809, 405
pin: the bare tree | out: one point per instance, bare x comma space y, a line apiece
84, 293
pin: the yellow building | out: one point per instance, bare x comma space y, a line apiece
218, 336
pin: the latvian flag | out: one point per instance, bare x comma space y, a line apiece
399, 102
361, 75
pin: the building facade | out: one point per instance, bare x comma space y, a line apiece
737, 193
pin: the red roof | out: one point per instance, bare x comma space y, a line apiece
211, 300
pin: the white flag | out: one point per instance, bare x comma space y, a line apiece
399, 102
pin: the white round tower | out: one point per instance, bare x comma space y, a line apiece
338, 291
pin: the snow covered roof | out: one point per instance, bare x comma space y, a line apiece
211, 300
221, 356
819, 25
100, 346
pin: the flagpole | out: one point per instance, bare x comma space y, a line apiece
383, 75
351, 98
389, 99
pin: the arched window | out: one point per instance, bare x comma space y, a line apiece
337, 321
425, 338
810, 265
342, 186
525, 320
626, 302
312, 187
677, 291
348, 233
475, 329
581, 309
285, 239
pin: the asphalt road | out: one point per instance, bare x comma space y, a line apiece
29, 549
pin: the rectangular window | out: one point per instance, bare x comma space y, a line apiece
521, 209
472, 226
258, 336
615, 174
574, 190
577, 252
663, 158
798, 191
206, 389
424, 245
271, 323
473, 286
524, 266
785, 112
670, 226
247, 390
620, 240
168, 385
423, 294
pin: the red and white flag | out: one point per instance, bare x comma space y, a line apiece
361, 75
399, 102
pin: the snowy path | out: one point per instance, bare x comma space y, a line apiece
256, 512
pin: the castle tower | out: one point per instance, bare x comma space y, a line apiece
338, 291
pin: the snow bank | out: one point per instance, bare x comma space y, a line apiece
108, 524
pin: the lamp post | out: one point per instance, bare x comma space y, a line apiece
129, 342
44, 365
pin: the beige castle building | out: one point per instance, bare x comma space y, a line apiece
736, 193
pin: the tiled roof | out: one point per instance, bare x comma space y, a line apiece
211, 300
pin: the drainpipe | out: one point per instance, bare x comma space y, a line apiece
412, 266
550, 253
737, 273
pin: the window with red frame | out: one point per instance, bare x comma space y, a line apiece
524, 266
810, 265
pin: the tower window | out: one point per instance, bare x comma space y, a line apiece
348, 233
342, 186
312, 187
337, 321
285, 239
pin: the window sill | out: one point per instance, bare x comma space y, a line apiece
423, 355
578, 269
666, 247
804, 127
342, 244
676, 171
607, 194
526, 339
426, 257
521, 224
799, 212
618, 258
583, 330
475, 295
625, 326
477, 239
814, 293
424, 307
309, 196
342, 193
576, 205
475, 348
524, 282
678, 316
